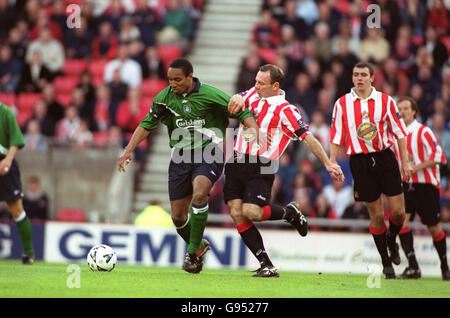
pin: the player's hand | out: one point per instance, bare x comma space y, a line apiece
335, 172
5, 166
407, 171
236, 104
124, 159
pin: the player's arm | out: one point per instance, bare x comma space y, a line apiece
236, 104
5, 163
406, 166
316, 148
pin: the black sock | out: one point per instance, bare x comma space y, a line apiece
253, 239
379, 236
440, 244
274, 212
407, 243
394, 229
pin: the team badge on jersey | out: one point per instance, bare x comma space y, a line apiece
248, 135
367, 131
365, 115
187, 108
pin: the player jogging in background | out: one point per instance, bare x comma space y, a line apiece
11, 140
250, 173
361, 121
422, 190
196, 116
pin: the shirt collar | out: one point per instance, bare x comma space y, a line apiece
275, 99
355, 96
196, 87
413, 124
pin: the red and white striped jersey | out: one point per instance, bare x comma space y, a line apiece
422, 145
363, 124
274, 115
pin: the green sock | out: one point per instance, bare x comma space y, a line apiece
185, 230
198, 223
25, 232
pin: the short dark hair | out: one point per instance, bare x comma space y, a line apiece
276, 73
412, 101
183, 64
363, 65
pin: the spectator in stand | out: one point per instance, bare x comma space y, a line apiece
329, 84
249, 68
55, 110
286, 172
308, 11
435, 46
357, 19
40, 114
52, 51
35, 201
430, 87
314, 70
129, 122
322, 41
290, 17
128, 30
58, 14
438, 17
320, 129
68, 128
356, 211
343, 161
10, 70
375, 48
105, 44
35, 75
343, 80
345, 55
443, 134
130, 70
325, 106
391, 74
119, 91
414, 13
84, 138
147, 21
34, 139
102, 112
302, 94
7, 18
322, 209
277, 9
44, 22
345, 34
18, 42
113, 13
329, 15
78, 41
266, 32
290, 45
153, 66
339, 195
440, 107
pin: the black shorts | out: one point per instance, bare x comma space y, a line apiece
10, 184
181, 174
244, 180
424, 199
374, 174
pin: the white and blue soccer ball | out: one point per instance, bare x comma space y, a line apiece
102, 258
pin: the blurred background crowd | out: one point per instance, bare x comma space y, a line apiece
90, 85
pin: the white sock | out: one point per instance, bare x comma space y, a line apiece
22, 216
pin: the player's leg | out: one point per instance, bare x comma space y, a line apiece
378, 229
24, 228
440, 244
396, 220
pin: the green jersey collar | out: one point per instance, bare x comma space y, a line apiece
196, 87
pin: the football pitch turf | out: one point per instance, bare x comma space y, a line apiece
49, 280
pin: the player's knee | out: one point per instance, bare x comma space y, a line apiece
199, 197
236, 215
251, 213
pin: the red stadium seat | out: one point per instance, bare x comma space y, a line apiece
64, 99
74, 67
97, 67
168, 52
26, 101
8, 99
23, 116
65, 84
151, 87
446, 41
71, 215
101, 138
270, 55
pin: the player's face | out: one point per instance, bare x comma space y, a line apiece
263, 85
179, 82
361, 78
406, 111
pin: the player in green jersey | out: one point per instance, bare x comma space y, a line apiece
11, 140
196, 116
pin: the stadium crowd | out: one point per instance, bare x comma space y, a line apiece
90, 85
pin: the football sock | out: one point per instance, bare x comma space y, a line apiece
198, 223
25, 231
440, 244
394, 229
185, 230
274, 212
253, 239
407, 243
379, 236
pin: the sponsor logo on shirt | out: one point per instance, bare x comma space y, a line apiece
367, 131
190, 123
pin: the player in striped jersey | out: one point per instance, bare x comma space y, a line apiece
250, 174
422, 192
361, 120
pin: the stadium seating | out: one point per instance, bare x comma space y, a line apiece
97, 67
26, 101
65, 84
151, 87
74, 67
101, 138
63, 98
71, 215
168, 52
8, 98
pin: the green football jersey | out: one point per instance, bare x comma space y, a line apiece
193, 120
10, 134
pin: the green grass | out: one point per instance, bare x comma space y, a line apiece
48, 280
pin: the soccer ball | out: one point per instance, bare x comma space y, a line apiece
102, 258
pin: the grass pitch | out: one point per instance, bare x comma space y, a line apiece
49, 280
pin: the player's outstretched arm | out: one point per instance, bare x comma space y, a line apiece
138, 136
316, 148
